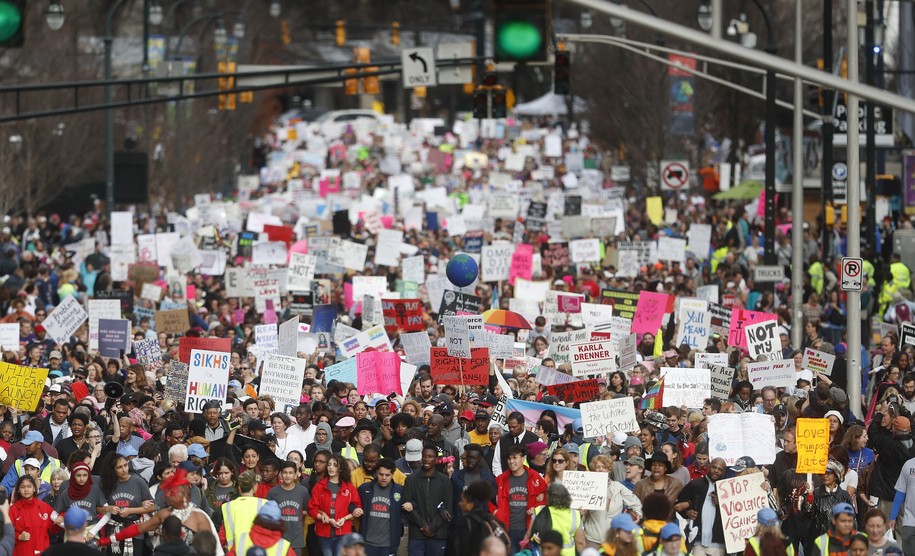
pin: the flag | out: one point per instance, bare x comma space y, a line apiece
654, 397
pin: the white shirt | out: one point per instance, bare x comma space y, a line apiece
906, 483
63, 430
709, 510
304, 436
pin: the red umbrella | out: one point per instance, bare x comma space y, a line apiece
505, 319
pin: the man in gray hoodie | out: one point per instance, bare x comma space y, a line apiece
145, 461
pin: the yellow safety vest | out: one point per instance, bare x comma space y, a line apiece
279, 549
718, 256
902, 276
754, 544
822, 543
870, 272
817, 277
238, 517
44, 474
349, 452
567, 522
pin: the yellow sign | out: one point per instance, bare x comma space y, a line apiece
655, 210
812, 445
21, 387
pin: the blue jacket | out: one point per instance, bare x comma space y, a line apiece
458, 484
365, 495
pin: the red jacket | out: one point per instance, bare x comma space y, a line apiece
33, 517
536, 494
347, 500
264, 538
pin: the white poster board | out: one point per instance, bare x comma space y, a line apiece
739, 500
65, 320
587, 488
282, 378
608, 416
734, 435
207, 379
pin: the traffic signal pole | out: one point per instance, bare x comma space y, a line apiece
853, 302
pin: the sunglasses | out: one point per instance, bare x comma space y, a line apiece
559, 461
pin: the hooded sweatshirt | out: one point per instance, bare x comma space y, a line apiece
143, 467
33, 517
264, 538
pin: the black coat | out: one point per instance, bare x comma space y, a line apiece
508, 440
891, 454
696, 493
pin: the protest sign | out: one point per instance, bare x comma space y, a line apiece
608, 416
627, 351
413, 269
151, 292
907, 334
378, 373
174, 321
65, 320
571, 303
176, 381
266, 338
772, 373
721, 378
148, 353
686, 387
533, 290
350, 255
739, 500
818, 361
387, 247
301, 272
549, 376
734, 435
561, 344
188, 343
694, 323
236, 283
207, 379
269, 252
649, 312
447, 369
21, 387
555, 255
672, 249
496, 262
113, 337
588, 489
761, 339
699, 238
584, 250
405, 315
624, 303
124, 297
522, 263
281, 378
457, 338
9, 337
596, 316
287, 339
416, 347
344, 371
740, 319
627, 265
592, 358
374, 338
500, 345
578, 391
704, 360
100, 309
458, 303
266, 290
812, 445
720, 319
375, 286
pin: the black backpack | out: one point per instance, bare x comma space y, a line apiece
496, 529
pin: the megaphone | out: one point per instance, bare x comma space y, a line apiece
114, 390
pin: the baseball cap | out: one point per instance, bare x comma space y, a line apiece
577, 425
446, 408
550, 400
196, 450
742, 464
351, 539
623, 521
571, 447
672, 530
481, 414
75, 518
189, 466
128, 451
489, 401
56, 388
843, 508
636, 460
234, 384
767, 517
55, 355
414, 451
270, 511
255, 425
31, 437
32, 462
345, 422
620, 438
468, 415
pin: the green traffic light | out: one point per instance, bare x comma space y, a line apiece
10, 20
518, 39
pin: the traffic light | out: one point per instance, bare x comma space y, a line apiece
522, 31
371, 85
480, 105
12, 23
341, 32
395, 33
227, 102
499, 104
350, 86
562, 73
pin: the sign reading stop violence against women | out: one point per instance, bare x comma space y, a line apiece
187, 343
578, 391
739, 500
378, 373
455, 370
812, 445
740, 318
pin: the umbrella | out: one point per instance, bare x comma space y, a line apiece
505, 319
748, 189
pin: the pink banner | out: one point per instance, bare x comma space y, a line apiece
522, 265
569, 303
378, 373
648, 312
740, 318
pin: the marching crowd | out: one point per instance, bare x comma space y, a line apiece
108, 461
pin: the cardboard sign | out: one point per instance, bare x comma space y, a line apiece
174, 321
694, 323
458, 303
721, 319
705, 360
593, 358
405, 315
188, 343
561, 344
21, 387
548, 376
282, 379
457, 337
455, 370
266, 290
416, 347
907, 334
65, 320
761, 338
739, 500
113, 337
649, 312
149, 354
9, 337
301, 272
628, 355
578, 391
686, 387
345, 372
207, 379
378, 373
585, 250
266, 338
818, 361
608, 416
721, 378
375, 338
413, 269
587, 488
99, 309
812, 445
496, 262
772, 373
734, 435
740, 319
287, 340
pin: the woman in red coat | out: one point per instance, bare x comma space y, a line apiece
31, 519
333, 521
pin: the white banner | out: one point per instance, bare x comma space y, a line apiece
282, 379
608, 416
65, 320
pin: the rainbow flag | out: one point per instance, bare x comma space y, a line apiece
654, 397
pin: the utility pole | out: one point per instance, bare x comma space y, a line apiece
854, 215
827, 125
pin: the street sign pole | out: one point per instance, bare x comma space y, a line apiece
854, 219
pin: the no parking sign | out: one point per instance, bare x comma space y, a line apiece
852, 279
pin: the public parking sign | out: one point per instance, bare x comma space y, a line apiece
852, 275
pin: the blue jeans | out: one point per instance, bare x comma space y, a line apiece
380, 550
426, 547
516, 538
329, 546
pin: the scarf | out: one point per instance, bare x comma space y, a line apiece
76, 491
330, 437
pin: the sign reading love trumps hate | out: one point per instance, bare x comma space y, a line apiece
207, 379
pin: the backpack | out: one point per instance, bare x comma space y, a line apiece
496, 529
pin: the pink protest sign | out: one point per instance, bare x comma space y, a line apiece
569, 303
348, 295
740, 318
648, 312
378, 372
522, 265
